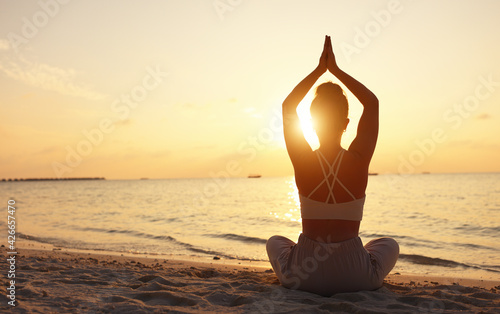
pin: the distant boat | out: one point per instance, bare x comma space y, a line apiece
426, 172
254, 176
373, 173
144, 178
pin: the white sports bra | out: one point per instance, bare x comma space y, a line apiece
312, 209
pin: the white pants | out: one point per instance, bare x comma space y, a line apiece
329, 268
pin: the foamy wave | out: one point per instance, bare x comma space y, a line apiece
237, 237
184, 245
433, 261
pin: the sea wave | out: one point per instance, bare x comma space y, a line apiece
410, 258
237, 237
187, 246
433, 261
479, 229
130, 232
418, 242
82, 245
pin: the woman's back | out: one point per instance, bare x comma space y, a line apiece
346, 182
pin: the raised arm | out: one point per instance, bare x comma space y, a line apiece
366, 138
296, 143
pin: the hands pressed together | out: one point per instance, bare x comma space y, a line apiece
327, 59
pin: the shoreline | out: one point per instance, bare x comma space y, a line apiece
25, 244
199, 260
222, 264
59, 280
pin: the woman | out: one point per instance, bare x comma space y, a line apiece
329, 256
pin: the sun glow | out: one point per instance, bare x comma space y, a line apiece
306, 122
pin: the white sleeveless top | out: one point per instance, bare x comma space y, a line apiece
312, 209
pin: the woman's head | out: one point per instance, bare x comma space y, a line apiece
329, 110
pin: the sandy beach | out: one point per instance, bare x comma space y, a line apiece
51, 280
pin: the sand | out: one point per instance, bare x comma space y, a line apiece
60, 281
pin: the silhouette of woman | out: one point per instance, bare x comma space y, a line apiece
329, 256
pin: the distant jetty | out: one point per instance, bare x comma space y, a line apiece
51, 179
254, 176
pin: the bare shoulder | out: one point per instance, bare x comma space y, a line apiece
307, 171
355, 158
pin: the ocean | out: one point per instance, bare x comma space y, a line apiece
445, 224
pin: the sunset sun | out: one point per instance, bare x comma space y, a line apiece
306, 122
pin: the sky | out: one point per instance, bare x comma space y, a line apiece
180, 89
